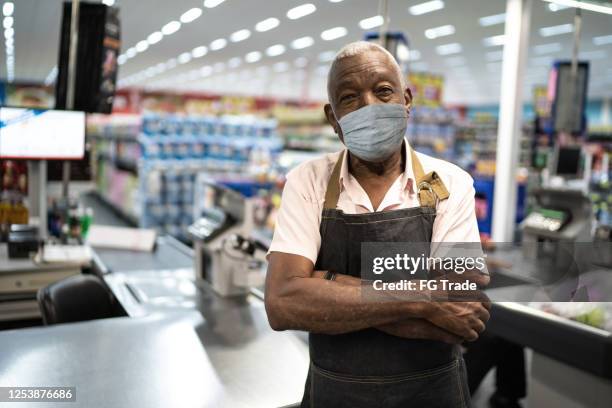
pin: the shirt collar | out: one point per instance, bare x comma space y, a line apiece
407, 176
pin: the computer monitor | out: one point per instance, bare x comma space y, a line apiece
41, 134
568, 161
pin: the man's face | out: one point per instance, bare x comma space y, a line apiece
361, 80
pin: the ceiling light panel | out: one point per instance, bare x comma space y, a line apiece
449, 49
171, 28
240, 35
492, 20
437, 32
426, 7
334, 33
9, 39
252, 57
275, 50
212, 3
199, 52
547, 48
556, 30
190, 15
301, 43
602, 40
494, 41
371, 22
218, 44
267, 24
301, 11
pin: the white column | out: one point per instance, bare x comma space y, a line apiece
518, 15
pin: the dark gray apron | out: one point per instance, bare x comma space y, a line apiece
369, 368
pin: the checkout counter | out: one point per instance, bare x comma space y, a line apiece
184, 344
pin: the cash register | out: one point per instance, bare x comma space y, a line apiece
225, 256
560, 223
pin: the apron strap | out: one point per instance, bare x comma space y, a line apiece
333, 185
430, 188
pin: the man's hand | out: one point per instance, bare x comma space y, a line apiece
464, 319
419, 329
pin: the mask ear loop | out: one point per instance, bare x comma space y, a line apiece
424, 185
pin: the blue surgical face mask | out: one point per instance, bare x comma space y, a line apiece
375, 132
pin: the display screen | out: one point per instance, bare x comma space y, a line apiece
41, 134
568, 161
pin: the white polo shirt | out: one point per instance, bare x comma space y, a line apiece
299, 216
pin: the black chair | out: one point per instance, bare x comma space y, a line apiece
77, 298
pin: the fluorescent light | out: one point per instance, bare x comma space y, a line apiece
442, 31
492, 20
212, 3
8, 22
371, 22
302, 42
252, 56
131, 52
334, 33
448, 49
142, 46
402, 52
301, 62
494, 41
191, 15
541, 61
327, 56
199, 52
171, 63
9, 33
109, 3
602, 40
240, 35
547, 48
171, 28
591, 55
494, 55
335, 1
8, 8
155, 37
455, 61
122, 59
275, 50
206, 70
280, 66
583, 5
184, 58
267, 24
234, 62
556, 30
426, 7
218, 44
301, 11
556, 7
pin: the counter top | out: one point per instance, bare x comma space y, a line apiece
154, 361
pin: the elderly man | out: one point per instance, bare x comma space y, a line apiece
367, 353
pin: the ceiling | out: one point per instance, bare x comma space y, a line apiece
472, 76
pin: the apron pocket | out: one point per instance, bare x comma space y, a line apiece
441, 387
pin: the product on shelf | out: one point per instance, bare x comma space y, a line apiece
150, 174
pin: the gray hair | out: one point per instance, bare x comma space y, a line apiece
357, 48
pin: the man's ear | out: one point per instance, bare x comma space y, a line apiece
331, 118
408, 97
